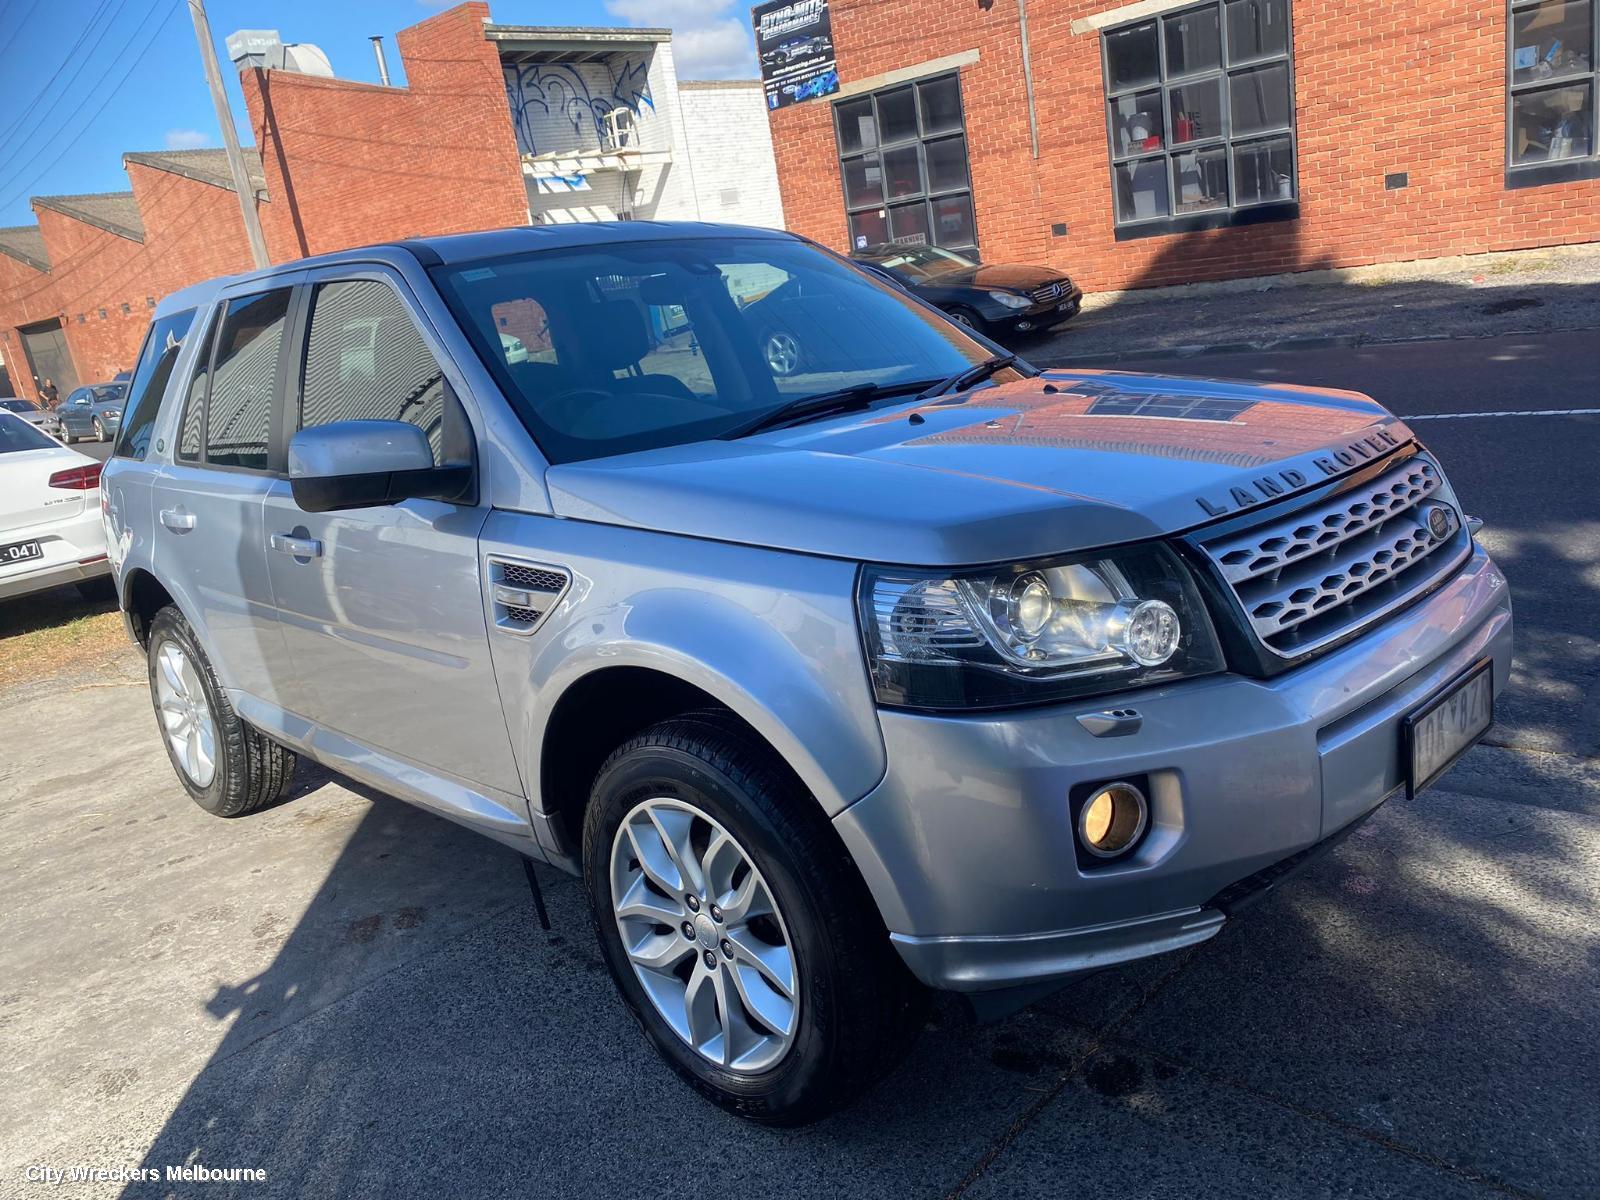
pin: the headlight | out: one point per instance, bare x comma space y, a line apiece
1051, 630
1011, 299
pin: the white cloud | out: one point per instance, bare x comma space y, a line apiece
708, 41
187, 139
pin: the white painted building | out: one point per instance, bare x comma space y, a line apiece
607, 132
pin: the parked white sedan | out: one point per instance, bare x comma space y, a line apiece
50, 530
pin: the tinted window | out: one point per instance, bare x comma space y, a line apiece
194, 402
666, 342
16, 434
365, 361
244, 380
150, 376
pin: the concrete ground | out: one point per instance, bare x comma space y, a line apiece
355, 996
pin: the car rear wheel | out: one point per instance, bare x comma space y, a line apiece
737, 929
228, 767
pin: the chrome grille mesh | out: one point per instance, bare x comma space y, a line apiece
1050, 292
511, 581
1317, 574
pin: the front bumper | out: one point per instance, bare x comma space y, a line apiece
1040, 316
967, 843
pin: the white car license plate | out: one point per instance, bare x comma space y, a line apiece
1444, 728
19, 552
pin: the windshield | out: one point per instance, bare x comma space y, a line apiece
110, 391
610, 349
19, 405
16, 434
922, 262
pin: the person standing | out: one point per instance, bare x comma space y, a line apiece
49, 394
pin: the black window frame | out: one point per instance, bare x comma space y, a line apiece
876, 152
1561, 170
135, 407
1233, 213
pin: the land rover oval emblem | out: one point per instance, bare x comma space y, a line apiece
1439, 522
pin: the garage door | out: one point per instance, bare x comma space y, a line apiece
48, 356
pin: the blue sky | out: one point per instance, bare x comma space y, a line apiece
87, 80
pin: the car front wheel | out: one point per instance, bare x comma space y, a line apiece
966, 317
228, 767
66, 435
737, 929
99, 431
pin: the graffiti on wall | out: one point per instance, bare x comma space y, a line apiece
560, 106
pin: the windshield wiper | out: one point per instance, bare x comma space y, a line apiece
968, 376
825, 404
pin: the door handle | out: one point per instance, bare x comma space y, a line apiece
296, 547
177, 520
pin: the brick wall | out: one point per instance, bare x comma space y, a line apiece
1416, 87
730, 146
349, 164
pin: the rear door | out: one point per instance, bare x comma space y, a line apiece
208, 500
384, 619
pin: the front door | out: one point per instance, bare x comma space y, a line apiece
382, 607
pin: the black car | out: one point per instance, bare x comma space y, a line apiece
994, 298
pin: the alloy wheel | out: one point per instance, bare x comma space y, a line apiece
185, 714
704, 935
782, 353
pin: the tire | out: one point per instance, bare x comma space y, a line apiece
99, 431
966, 317
250, 771
99, 590
858, 1010
66, 435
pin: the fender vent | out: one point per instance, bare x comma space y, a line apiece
522, 593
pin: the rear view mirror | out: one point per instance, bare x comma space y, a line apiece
358, 464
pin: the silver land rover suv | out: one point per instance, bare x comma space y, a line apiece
907, 667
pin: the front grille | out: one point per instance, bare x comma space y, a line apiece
1313, 576
1051, 292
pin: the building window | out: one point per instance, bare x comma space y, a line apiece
1550, 103
903, 157
1200, 114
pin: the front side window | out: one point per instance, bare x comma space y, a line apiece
366, 361
244, 380
1200, 112
1551, 108
151, 373
664, 342
903, 158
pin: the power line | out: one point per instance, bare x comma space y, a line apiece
71, 56
137, 59
20, 25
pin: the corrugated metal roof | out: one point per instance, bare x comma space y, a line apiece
25, 244
115, 212
204, 166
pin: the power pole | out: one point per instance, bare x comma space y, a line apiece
230, 135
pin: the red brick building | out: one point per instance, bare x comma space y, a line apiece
1169, 141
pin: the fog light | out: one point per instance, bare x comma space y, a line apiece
1112, 819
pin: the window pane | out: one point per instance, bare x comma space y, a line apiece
1136, 123
1552, 38
947, 164
1260, 98
1200, 180
365, 361
909, 223
897, 115
903, 170
1264, 171
1142, 190
1196, 111
1194, 42
1552, 124
941, 105
869, 229
194, 405
857, 130
245, 380
863, 181
1131, 56
1257, 28
150, 377
952, 221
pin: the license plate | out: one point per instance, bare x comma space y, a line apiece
19, 552
1444, 728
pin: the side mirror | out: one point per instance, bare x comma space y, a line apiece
359, 464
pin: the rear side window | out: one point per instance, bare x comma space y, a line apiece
150, 377
366, 361
244, 380
17, 435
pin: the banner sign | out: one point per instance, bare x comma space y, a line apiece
795, 41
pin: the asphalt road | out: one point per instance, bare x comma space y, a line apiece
355, 997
